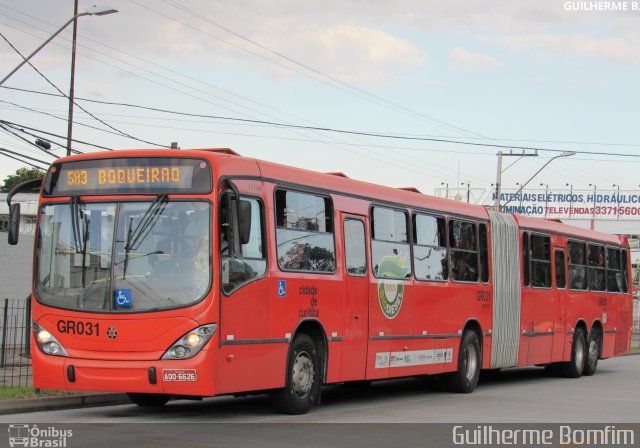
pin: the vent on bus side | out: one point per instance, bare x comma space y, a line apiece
412, 189
339, 174
227, 151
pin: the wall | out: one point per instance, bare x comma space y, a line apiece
15, 267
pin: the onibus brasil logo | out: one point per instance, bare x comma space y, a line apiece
32, 436
390, 293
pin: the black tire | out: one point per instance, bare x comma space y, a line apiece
465, 379
575, 367
149, 400
302, 383
593, 353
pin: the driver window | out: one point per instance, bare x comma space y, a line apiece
251, 263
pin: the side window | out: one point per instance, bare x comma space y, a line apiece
304, 232
354, 248
597, 273
252, 262
463, 250
561, 275
430, 247
614, 272
526, 254
390, 243
577, 265
625, 271
484, 253
540, 261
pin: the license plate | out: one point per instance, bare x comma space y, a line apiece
169, 375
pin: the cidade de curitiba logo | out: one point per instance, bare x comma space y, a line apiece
390, 292
34, 437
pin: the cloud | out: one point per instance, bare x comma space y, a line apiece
617, 49
464, 60
350, 53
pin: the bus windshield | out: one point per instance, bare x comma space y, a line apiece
123, 256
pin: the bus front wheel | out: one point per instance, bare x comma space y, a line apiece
149, 400
302, 383
465, 379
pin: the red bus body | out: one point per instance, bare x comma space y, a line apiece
342, 313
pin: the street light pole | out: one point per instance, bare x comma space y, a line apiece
468, 184
563, 154
617, 198
570, 199
595, 192
95, 12
447, 185
546, 197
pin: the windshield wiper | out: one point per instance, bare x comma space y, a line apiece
85, 239
136, 236
76, 216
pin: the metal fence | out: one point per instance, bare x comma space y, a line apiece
15, 354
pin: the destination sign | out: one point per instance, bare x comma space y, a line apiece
133, 175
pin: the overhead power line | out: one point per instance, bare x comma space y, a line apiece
79, 106
364, 94
328, 129
22, 127
17, 154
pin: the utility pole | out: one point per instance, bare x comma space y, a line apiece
73, 71
499, 172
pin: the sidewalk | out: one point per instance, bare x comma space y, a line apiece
39, 404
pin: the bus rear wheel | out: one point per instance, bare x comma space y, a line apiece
593, 353
575, 367
302, 383
465, 379
149, 400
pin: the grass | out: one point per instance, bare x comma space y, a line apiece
15, 393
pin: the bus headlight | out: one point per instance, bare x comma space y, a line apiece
47, 343
191, 343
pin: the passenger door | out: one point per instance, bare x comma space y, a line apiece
540, 301
356, 299
559, 328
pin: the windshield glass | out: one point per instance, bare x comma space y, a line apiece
123, 257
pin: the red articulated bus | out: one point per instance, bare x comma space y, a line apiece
194, 273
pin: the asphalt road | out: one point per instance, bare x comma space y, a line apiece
511, 396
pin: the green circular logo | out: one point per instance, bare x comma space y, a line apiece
390, 298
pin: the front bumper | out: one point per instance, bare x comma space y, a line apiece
183, 377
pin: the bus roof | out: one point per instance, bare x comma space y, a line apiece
227, 161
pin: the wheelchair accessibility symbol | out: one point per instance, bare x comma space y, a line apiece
282, 288
123, 298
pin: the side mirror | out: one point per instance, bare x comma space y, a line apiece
14, 223
244, 215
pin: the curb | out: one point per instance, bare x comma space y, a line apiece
39, 404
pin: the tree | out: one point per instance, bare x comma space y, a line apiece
21, 175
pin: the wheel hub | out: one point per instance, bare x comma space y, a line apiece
303, 375
470, 362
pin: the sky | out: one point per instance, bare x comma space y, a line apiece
540, 74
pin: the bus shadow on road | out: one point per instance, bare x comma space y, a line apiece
358, 393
